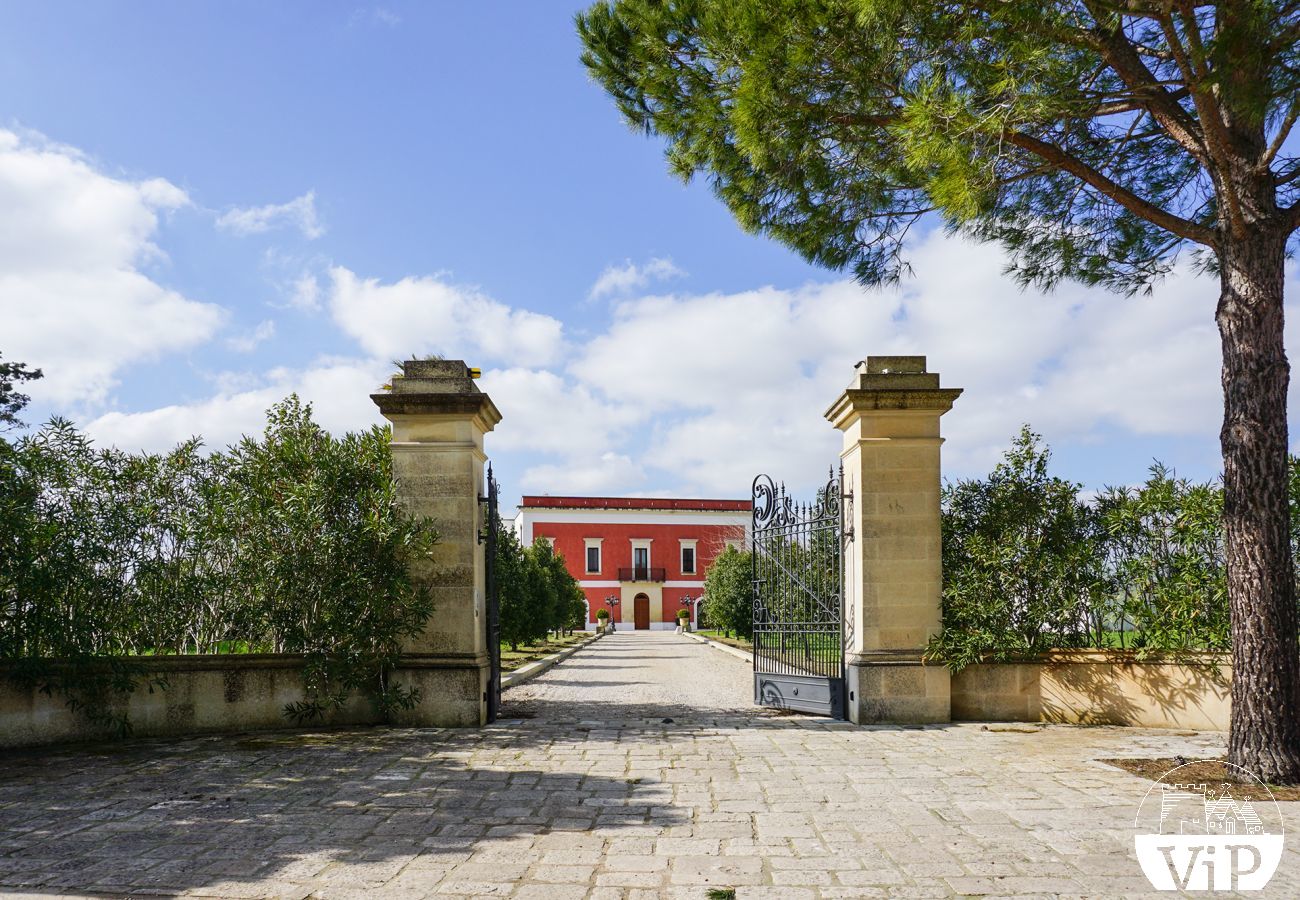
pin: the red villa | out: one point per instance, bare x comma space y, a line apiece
643, 559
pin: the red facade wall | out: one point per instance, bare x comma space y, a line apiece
546, 501
616, 553
616, 549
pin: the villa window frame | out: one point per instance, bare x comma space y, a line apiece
691, 545
590, 544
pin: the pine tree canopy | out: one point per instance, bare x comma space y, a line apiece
1095, 140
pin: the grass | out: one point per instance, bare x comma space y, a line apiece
510, 659
222, 647
513, 659
714, 634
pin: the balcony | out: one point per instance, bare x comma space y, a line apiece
641, 573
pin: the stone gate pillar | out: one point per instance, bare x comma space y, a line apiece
439, 417
892, 573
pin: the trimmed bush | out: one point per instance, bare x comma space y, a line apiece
1031, 565
288, 543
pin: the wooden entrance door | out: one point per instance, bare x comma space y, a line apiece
641, 612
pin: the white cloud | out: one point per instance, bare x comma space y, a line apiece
299, 213
162, 194
603, 474
620, 280
694, 394
732, 384
72, 294
305, 293
428, 314
338, 389
248, 341
549, 413
375, 15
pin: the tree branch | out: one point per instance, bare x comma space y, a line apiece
1123, 196
1060, 159
1129, 104
1116, 49
1195, 69
1284, 178
1291, 217
1283, 131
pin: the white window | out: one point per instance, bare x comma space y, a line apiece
688, 557
593, 555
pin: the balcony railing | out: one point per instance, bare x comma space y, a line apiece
641, 573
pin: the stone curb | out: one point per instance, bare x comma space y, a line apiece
533, 669
725, 648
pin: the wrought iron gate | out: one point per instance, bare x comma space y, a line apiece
488, 537
798, 550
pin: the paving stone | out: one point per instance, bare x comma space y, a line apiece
716, 871
551, 892
585, 791
629, 879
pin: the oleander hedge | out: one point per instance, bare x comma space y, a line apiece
1032, 564
291, 542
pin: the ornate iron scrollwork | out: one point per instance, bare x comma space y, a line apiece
773, 508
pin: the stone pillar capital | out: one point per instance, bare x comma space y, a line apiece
886, 389
435, 389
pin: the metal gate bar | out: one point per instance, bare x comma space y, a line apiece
492, 527
797, 554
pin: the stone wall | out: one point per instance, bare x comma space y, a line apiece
1097, 688
228, 693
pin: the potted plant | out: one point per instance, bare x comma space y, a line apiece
683, 620
602, 620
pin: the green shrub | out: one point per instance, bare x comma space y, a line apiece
1030, 566
1022, 562
535, 591
1165, 552
288, 543
729, 593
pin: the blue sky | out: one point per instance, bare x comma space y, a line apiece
213, 204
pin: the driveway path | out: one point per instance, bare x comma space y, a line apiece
635, 674
636, 769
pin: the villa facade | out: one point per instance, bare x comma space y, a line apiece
643, 559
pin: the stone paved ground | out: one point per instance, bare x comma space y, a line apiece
637, 769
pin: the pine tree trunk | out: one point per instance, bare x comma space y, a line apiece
1265, 735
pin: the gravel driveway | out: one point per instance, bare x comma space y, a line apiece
635, 675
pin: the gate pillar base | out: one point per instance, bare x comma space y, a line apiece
897, 689
451, 691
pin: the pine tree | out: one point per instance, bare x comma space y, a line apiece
1095, 140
